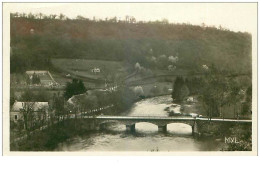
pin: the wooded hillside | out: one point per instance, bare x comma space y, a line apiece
35, 41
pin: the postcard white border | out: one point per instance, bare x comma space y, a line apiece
6, 95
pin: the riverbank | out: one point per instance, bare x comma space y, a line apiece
48, 139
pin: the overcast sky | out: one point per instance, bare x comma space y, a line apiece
234, 16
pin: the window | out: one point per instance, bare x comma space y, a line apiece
15, 117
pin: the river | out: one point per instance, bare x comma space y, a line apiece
146, 138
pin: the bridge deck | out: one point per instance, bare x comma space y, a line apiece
107, 117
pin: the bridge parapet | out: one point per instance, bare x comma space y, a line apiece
199, 125
155, 122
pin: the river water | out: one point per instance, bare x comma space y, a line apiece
146, 138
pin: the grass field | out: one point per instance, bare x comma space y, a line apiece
82, 68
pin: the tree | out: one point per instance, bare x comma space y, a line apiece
194, 85
162, 62
79, 17
165, 90
123, 98
53, 16
12, 97
235, 96
42, 96
173, 59
27, 112
81, 87
215, 92
139, 91
184, 92
62, 16
40, 15
74, 88
165, 21
137, 67
58, 105
155, 90
180, 89
35, 79
247, 107
31, 16
27, 96
90, 102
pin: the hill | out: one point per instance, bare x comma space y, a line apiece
34, 42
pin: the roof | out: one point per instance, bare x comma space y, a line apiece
36, 105
73, 99
36, 72
89, 93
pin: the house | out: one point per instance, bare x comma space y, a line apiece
38, 109
40, 73
190, 99
205, 67
73, 100
95, 70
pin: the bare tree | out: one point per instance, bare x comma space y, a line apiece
62, 16
40, 15
79, 17
31, 16
53, 16
27, 112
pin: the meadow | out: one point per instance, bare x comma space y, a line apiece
83, 68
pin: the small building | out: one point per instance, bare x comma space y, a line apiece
190, 99
73, 100
205, 67
95, 70
37, 72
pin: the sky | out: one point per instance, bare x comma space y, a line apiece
233, 16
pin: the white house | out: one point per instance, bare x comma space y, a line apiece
38, 109
205, 67
37, 72
95, 70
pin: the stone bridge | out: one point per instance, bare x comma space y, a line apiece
198, 125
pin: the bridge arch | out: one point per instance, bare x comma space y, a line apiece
103, 125
146, 127
180, 128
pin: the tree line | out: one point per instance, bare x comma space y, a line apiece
216, 90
